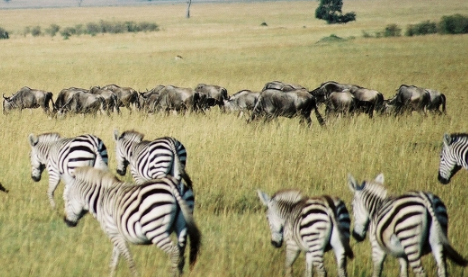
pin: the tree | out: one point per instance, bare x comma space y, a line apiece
189, 2
330, 11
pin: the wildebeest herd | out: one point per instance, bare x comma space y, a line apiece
275, 99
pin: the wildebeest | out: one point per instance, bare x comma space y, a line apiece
408, 99
172, 98
211, 95
342, 102
325, 89
241, 101
128, 97
282, 86
273, 103
27, 98
437, 100
112, 101
84, 103
149, 99
65, 95
368, 100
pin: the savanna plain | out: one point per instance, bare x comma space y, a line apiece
228, 159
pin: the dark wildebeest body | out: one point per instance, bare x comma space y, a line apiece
127, 97
112, 102
325, 89
273, 103
342, 102
368, 100
278, 85
437, 99
84, 103
65, 95
150, 98
211, 95
172, 98
409, 99
241, 101
27, 98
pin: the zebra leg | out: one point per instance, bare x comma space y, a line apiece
438, 252
403, 267
181, 231
120, 248
315, 259
378, 257
54, 180
341, 262
292, 252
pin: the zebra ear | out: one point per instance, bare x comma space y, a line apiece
380, 178
116, 135
447, 139
33, 140
263, 197
353, 185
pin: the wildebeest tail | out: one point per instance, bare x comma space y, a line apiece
49, 98
444, 101
2, 188
318, 115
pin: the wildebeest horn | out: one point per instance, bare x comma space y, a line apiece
6, 98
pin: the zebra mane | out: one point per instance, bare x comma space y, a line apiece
456, 136
48, 137
132, 135
288, 197
93, 176
375, 189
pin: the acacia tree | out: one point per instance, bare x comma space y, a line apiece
330, 11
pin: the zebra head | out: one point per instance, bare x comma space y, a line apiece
448, 165
123, 148
38, 154
274, 219
75, 207
364, 204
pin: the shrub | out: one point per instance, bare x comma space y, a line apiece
3, 34
423, 28
67, 32
52, 30
36, 31
453, 24
392, 30
93, 28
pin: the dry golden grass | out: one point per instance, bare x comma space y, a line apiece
224, 44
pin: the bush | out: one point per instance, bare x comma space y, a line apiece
423, 28
36, 31
52, 30
3, 34
392, 30
453, 24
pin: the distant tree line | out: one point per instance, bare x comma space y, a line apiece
100, 27
450, 24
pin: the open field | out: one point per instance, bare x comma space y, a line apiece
228, 159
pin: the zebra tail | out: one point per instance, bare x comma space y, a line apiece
333, 215
453, 255
192, 228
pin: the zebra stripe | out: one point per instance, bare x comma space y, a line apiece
139, 214
313, 225
406, 226
62, 156
453, 157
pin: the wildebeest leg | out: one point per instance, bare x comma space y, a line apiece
319, 117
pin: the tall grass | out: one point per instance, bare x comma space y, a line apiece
228, 159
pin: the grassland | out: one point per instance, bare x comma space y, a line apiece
224, 44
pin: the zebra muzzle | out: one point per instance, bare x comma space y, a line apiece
36, 178
276, 243
69, 223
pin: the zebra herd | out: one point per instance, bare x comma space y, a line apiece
161, 202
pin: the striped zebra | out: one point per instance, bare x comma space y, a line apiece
62, 155
139, 214
314, 225
406, 226
150, 160
453, 157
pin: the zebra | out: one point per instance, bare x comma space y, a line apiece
62, 155
150, 160
406, 226
136, 213
314, 225
453, 157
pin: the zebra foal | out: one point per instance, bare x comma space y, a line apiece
139, 214
313, 225
62, 155
453, 157
406, 226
